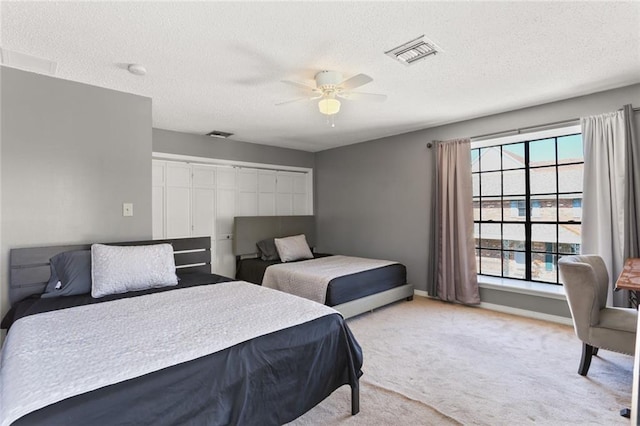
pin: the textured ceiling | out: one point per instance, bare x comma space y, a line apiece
219, 65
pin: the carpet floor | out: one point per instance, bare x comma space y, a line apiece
430, 363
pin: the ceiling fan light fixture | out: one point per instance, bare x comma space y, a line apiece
329, 106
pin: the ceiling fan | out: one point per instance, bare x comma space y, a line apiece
330, 88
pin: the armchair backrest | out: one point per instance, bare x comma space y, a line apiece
586, 283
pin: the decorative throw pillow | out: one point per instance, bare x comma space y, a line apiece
293, 248
119, 269
70, 274
268, 250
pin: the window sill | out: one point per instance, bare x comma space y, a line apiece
551, 291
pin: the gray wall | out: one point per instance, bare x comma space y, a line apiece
375, 198
71, 155
171, 142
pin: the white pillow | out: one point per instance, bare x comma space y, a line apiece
119, 269
293, 248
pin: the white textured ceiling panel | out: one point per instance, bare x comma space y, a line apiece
218, 65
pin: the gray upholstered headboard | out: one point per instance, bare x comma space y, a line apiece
248, 230
30, 271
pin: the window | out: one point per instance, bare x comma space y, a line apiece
527, 198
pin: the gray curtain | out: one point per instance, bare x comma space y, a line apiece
457, 279
432, 229
604, 183
632, 200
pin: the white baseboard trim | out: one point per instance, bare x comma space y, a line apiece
526, 313
420, 293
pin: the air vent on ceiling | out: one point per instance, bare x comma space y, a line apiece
219, 134
414, 50
28, 62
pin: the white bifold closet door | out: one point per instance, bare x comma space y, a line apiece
178, 200
193, 200
247, 192
266, 193
203, 205
225, 212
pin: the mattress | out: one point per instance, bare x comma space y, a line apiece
35, 305
340, 290
269, 379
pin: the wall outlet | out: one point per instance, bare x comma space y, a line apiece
127, 209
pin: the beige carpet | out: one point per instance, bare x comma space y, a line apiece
431, 363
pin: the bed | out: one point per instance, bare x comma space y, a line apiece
172, 355
350, 294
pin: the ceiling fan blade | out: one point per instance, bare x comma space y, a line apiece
292, 101
300, 85
355, 81
361, 96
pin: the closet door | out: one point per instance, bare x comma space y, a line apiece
225, 213
300, 198
284, 194
203, 206
247, 192
178, 200
266, 193
157, 198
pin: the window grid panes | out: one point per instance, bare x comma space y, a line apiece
527, 206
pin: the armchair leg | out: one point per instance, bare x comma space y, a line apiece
585, 362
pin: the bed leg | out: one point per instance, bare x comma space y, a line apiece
409, 299
355, 398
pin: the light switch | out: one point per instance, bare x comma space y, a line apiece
127, 209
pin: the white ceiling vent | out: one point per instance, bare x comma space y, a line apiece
414, 50
28, 62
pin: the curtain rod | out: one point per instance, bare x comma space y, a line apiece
536, 127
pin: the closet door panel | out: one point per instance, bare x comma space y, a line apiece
300, 183
157, 173
248, 180
225, 260
284, 183
247, 192
178, 212
247, 204
203, 212
204, 177
226, 177
178, 200
266, 181
266, 204
284, 204
300, 204
225, 211
178, 174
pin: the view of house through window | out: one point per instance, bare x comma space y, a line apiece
527, 206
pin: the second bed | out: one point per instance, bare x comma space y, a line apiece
377, 283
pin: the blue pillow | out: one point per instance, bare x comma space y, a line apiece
70, 274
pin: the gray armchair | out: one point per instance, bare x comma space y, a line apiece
586, 282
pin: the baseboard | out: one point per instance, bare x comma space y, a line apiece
526, 313
420, 293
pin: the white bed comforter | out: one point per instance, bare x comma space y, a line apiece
55, 355
310, 278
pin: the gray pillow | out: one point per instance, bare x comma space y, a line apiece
70, 274
293, 248
268, 250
